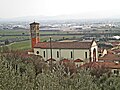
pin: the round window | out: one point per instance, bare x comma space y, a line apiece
37, 52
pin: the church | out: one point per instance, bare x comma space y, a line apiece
83, 50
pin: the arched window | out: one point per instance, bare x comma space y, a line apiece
71, 54
85, 55
94, 55
44, 53
57, 54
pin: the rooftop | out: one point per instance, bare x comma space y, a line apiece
109, 65
64, 45
78, 60
34, 23
110, 57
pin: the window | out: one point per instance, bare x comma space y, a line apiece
37, 34
44, 53
37, 52
85, 54
71, 54
100, 55
94, 55
57, 54
116, 72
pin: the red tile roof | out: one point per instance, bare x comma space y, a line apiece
115, 43
65, 60
78, 60
111, 52
110, 57
116, 50
110, 65
64, 45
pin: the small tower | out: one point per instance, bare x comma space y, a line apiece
34, 31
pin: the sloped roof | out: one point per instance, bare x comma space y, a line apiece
110, 57
115, 43
110, 65
64, 45
65, 60
116, 50
78, 60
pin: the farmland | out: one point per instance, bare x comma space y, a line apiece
20, 39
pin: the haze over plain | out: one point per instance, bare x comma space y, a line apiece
73, 8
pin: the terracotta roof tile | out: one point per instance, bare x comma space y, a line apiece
110, 65
115, 43
111, 52
116, 50
110, 57
78, 60
65, 60
64, 45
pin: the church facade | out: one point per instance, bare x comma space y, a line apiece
86, 51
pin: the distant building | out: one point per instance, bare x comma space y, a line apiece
110, 56
86, 51
113, 67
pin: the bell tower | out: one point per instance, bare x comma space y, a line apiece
34, 31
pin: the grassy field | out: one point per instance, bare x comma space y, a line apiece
22, 33
26, 44
16, 32
12, 37
13, 32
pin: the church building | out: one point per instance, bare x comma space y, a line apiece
83, 50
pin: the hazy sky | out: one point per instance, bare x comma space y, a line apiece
84, 8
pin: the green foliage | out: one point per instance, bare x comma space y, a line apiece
18, 73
